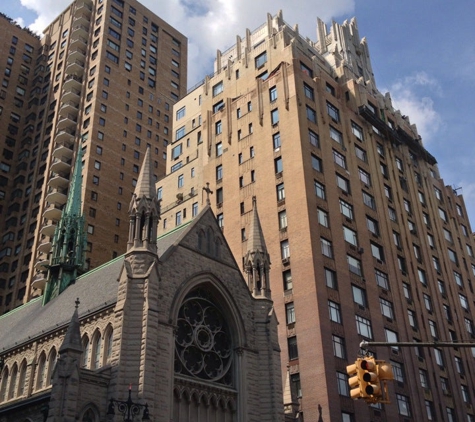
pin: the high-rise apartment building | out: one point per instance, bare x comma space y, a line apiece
103, 77
365, 240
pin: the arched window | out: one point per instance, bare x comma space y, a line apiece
89, 416
96, 350
86, 349
203, 341
40, 374
21, 379
3, 385
51, 363
109, 336
13, 378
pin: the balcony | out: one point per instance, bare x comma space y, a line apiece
53, 212
72, 82
80, 30
48, 229
39, 281
57, 196
60, 166
42, 263
69, 107
68, 121
63, 153
84, 8
45, 246
78, 42
71, 94
65, 137
76, 53
82, 20
58, 181
75, 67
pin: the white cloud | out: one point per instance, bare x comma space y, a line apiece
20, 22
214, 24
413, 97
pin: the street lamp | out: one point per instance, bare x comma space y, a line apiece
128, 408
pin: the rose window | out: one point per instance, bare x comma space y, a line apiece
202, 340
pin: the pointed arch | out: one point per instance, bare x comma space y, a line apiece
86, 347
13, 380
4, 384
108, 339
51, 363
96, 350
40, 371
22, 378
90, 413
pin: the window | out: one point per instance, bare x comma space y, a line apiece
276, 140
433, 329
346, 209
292, 348
359, 296
177, 151
287, 280
218, 127
452, 256
403, 405
339, 347
330, 278
369, 200
273, 94
361, 154
339, 159
372, 225
463, 301
443, 215
357, 131
278, 165
363, 327
280, 192
334, 311
219, 149
317, 163
398, 371
306, 70
219, 172
290, 312
309, 92
350, 236
274, 116
322, 217
354, 265
459, 365
343, 183
261, 60
326, 248
319, 190
282, 219
411, 315
377, 251
218, 88
427, 302
386, 308
364, 177
285, 249
181, 180
333, 112
382, 279
313, 138
343, 386
336, 135
465, 393
311, 114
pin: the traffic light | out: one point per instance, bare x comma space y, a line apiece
385, 371
370, 386
354, 372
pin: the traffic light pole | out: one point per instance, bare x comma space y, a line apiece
366, 344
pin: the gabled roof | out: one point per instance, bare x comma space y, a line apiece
96, 290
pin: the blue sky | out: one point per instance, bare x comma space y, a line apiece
423, 52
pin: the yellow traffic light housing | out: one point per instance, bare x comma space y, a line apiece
367, 379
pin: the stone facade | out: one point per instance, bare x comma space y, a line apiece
173, 319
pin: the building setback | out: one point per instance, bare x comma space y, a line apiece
365, 240
104, 78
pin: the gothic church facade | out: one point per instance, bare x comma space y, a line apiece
172, 323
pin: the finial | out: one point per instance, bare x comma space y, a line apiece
254, 201
208, 191
77, 303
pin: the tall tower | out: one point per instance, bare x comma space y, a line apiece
69, 240
103, 78
366, 241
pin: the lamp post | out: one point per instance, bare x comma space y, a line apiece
128, 408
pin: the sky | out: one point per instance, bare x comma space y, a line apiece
422, 52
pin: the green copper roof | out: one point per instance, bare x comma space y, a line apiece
73, 204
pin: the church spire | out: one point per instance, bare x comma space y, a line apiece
72, 339
69, 240
144, 210
257, 260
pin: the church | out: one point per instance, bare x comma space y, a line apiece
170, 331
